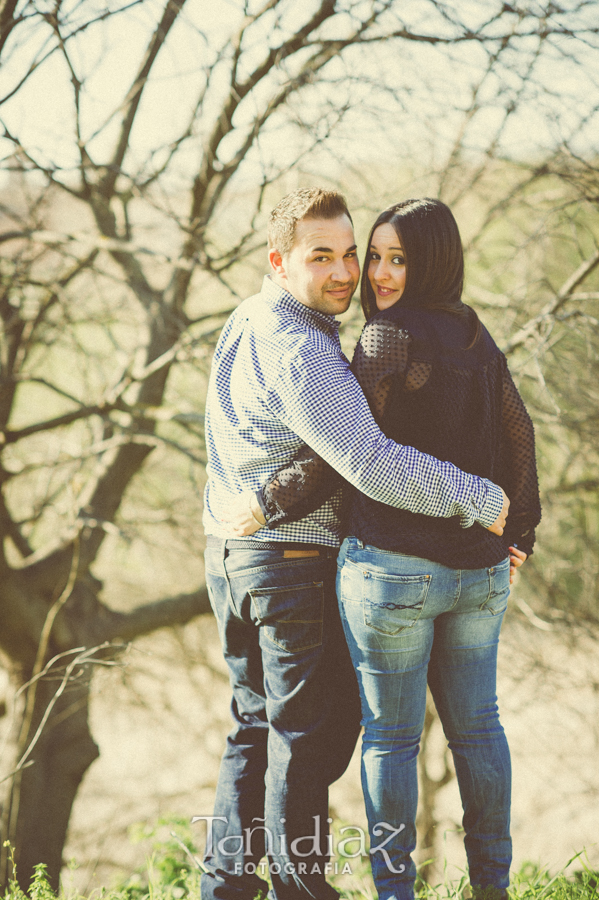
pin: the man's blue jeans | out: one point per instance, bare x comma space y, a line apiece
407, 619
296, 712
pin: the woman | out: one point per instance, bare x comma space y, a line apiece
423, 599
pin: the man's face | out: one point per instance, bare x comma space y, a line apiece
321, 270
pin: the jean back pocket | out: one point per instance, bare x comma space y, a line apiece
393, 603
291, 617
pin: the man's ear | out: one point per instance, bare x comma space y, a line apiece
276, 263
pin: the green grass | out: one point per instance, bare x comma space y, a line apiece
171, 872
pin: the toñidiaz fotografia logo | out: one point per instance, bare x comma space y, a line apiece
304, 855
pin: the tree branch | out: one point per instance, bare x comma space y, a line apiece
11, 437
161, 614
131, 104
8, 20
563, 295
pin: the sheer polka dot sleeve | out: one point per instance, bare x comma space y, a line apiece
519, 472
298, 488
381, 354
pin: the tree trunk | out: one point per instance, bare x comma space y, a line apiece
39, 798
51, 747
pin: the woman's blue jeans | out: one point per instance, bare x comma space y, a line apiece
408, 620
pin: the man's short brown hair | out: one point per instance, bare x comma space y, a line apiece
305, 203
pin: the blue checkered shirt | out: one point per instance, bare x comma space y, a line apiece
279, 379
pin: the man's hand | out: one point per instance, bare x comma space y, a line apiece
517, 557
244, 515
499, 523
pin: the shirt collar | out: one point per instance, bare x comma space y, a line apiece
278, 296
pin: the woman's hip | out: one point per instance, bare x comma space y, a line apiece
393, 593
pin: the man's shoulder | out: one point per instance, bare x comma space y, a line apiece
251, 317
279, 325
244, 310
236, 319
281, 339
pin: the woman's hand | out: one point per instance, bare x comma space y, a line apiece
244, 514
517, 557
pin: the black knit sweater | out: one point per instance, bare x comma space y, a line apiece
428, 391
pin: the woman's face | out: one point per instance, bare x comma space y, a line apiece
386, 266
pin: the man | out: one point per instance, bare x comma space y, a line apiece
280, 380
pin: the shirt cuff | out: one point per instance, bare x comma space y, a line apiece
488, 510
262, 504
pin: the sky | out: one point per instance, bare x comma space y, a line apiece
409, 97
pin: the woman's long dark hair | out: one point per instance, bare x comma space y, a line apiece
432, 247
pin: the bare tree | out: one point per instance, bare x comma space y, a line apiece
120, 261
547, 311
